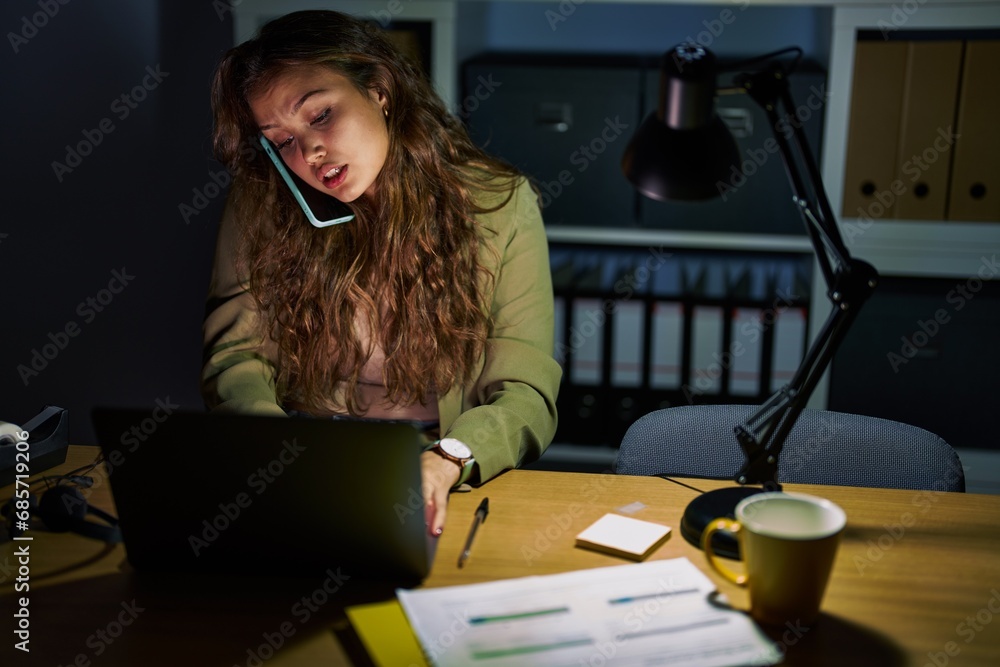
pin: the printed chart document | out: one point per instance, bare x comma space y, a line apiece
654, 613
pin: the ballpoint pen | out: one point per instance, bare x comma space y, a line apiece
481, 512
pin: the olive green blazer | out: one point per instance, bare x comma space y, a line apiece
507, 415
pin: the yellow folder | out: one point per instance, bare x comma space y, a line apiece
876, 98
926, 133
975, 178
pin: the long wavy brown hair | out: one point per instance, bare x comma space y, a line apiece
408, 266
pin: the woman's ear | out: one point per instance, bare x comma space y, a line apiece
381, 83
378, 96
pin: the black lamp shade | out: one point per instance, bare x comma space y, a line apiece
666, 164
683, 151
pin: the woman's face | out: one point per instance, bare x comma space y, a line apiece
331, 135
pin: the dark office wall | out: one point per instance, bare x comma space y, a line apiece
104, 224
923, 351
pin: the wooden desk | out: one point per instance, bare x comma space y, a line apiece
917, 577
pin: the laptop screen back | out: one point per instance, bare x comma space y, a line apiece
267, 495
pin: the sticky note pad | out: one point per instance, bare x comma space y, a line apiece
623, 536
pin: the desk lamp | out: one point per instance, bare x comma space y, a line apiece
684, 151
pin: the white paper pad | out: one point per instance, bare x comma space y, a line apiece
627, 615
623, 536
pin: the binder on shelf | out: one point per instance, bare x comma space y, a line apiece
975, 179
746, 335
927, 125
706, 280
789, 345
706, 350
627, 331
872, 143
563, 273
745, 352
668, 279
668, 334
587, 341
714, 283
667, 326
626, 360
739, 279
559, 320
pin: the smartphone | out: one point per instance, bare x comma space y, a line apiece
321, 210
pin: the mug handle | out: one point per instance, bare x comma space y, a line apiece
728, 526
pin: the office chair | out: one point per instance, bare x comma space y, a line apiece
822, 448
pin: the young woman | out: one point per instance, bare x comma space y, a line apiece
434, 305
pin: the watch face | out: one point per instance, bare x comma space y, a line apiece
455, 448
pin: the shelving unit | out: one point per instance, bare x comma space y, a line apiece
896, 247
901, 248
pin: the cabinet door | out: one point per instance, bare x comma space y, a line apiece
566, 126
922, 351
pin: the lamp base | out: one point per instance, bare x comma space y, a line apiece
714, 505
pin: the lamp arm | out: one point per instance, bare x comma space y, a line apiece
849, 284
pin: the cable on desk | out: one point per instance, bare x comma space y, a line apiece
679, 483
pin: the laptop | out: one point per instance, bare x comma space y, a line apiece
296, 496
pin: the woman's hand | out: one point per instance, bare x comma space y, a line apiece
438, 475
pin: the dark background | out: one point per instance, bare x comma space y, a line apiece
119, 209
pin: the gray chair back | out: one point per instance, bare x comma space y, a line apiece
823, 447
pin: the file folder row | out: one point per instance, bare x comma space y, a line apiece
923, 138
638, 330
